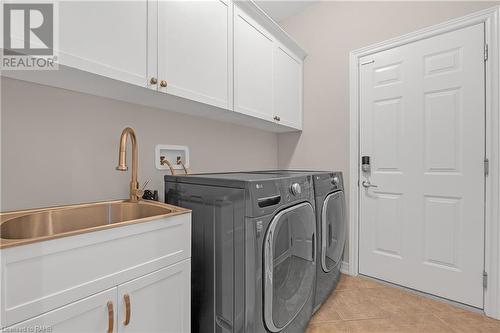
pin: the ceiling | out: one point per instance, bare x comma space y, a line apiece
281, 10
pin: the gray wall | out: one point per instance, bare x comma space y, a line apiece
61, 147
328, 31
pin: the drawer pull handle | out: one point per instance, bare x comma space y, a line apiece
163, 83
126, 299
111, 317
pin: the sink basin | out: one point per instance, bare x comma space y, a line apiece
53, 222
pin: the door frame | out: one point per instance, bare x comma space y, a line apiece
490, 18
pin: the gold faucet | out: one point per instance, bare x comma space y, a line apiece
135, 192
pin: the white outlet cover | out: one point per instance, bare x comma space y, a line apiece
171, 152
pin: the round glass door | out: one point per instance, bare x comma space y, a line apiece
289, 265
333, 230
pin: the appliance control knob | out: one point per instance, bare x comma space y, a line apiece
335, 180
295, 189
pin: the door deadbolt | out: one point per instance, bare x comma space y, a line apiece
365, 163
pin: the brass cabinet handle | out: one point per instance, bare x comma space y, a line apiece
153, 80
111, 317
163, 83
126, 299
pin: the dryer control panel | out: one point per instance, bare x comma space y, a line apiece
328, 182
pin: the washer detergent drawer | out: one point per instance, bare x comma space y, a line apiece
289, 264
333, 230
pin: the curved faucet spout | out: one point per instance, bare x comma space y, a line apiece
135, 193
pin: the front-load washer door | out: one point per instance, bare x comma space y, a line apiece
289, 264
333, 230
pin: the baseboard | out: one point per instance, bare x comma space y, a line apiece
344, 267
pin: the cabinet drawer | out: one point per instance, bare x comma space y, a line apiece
43, 276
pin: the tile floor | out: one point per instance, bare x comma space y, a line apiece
361, 305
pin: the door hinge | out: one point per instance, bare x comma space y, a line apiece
485, 52
485, 279
367, 62
486, 167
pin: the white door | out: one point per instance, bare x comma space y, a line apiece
253, 67
287, 88
108, 38
193, 50
157, 302
423, 126
96, 313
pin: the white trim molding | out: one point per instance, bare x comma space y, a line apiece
344, 267
490, 18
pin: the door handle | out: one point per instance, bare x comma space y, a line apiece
313, 248
367, 184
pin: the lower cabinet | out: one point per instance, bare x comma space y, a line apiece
155, 302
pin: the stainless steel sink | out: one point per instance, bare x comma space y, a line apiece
49, 222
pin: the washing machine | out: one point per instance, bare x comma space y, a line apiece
253, 250
331, 227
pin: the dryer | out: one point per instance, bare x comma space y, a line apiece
331, 226
253, 250
332, 230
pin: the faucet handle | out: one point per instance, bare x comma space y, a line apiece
145, 184
139, 191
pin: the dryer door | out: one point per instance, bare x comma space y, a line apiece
333, 230
289, 265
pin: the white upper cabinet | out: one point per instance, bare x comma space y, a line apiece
194, 50
287, 88
253, 67
267, 74
106, 38
219, 56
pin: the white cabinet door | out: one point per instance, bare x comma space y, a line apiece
91, 314
287, 88
159, 302
194, 50
253, 68
108, 38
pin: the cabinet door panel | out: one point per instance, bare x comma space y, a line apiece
193, 44
108, 38
159, 302
288, 88
253, 66
87, 315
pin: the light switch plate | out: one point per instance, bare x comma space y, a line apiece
171, 152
